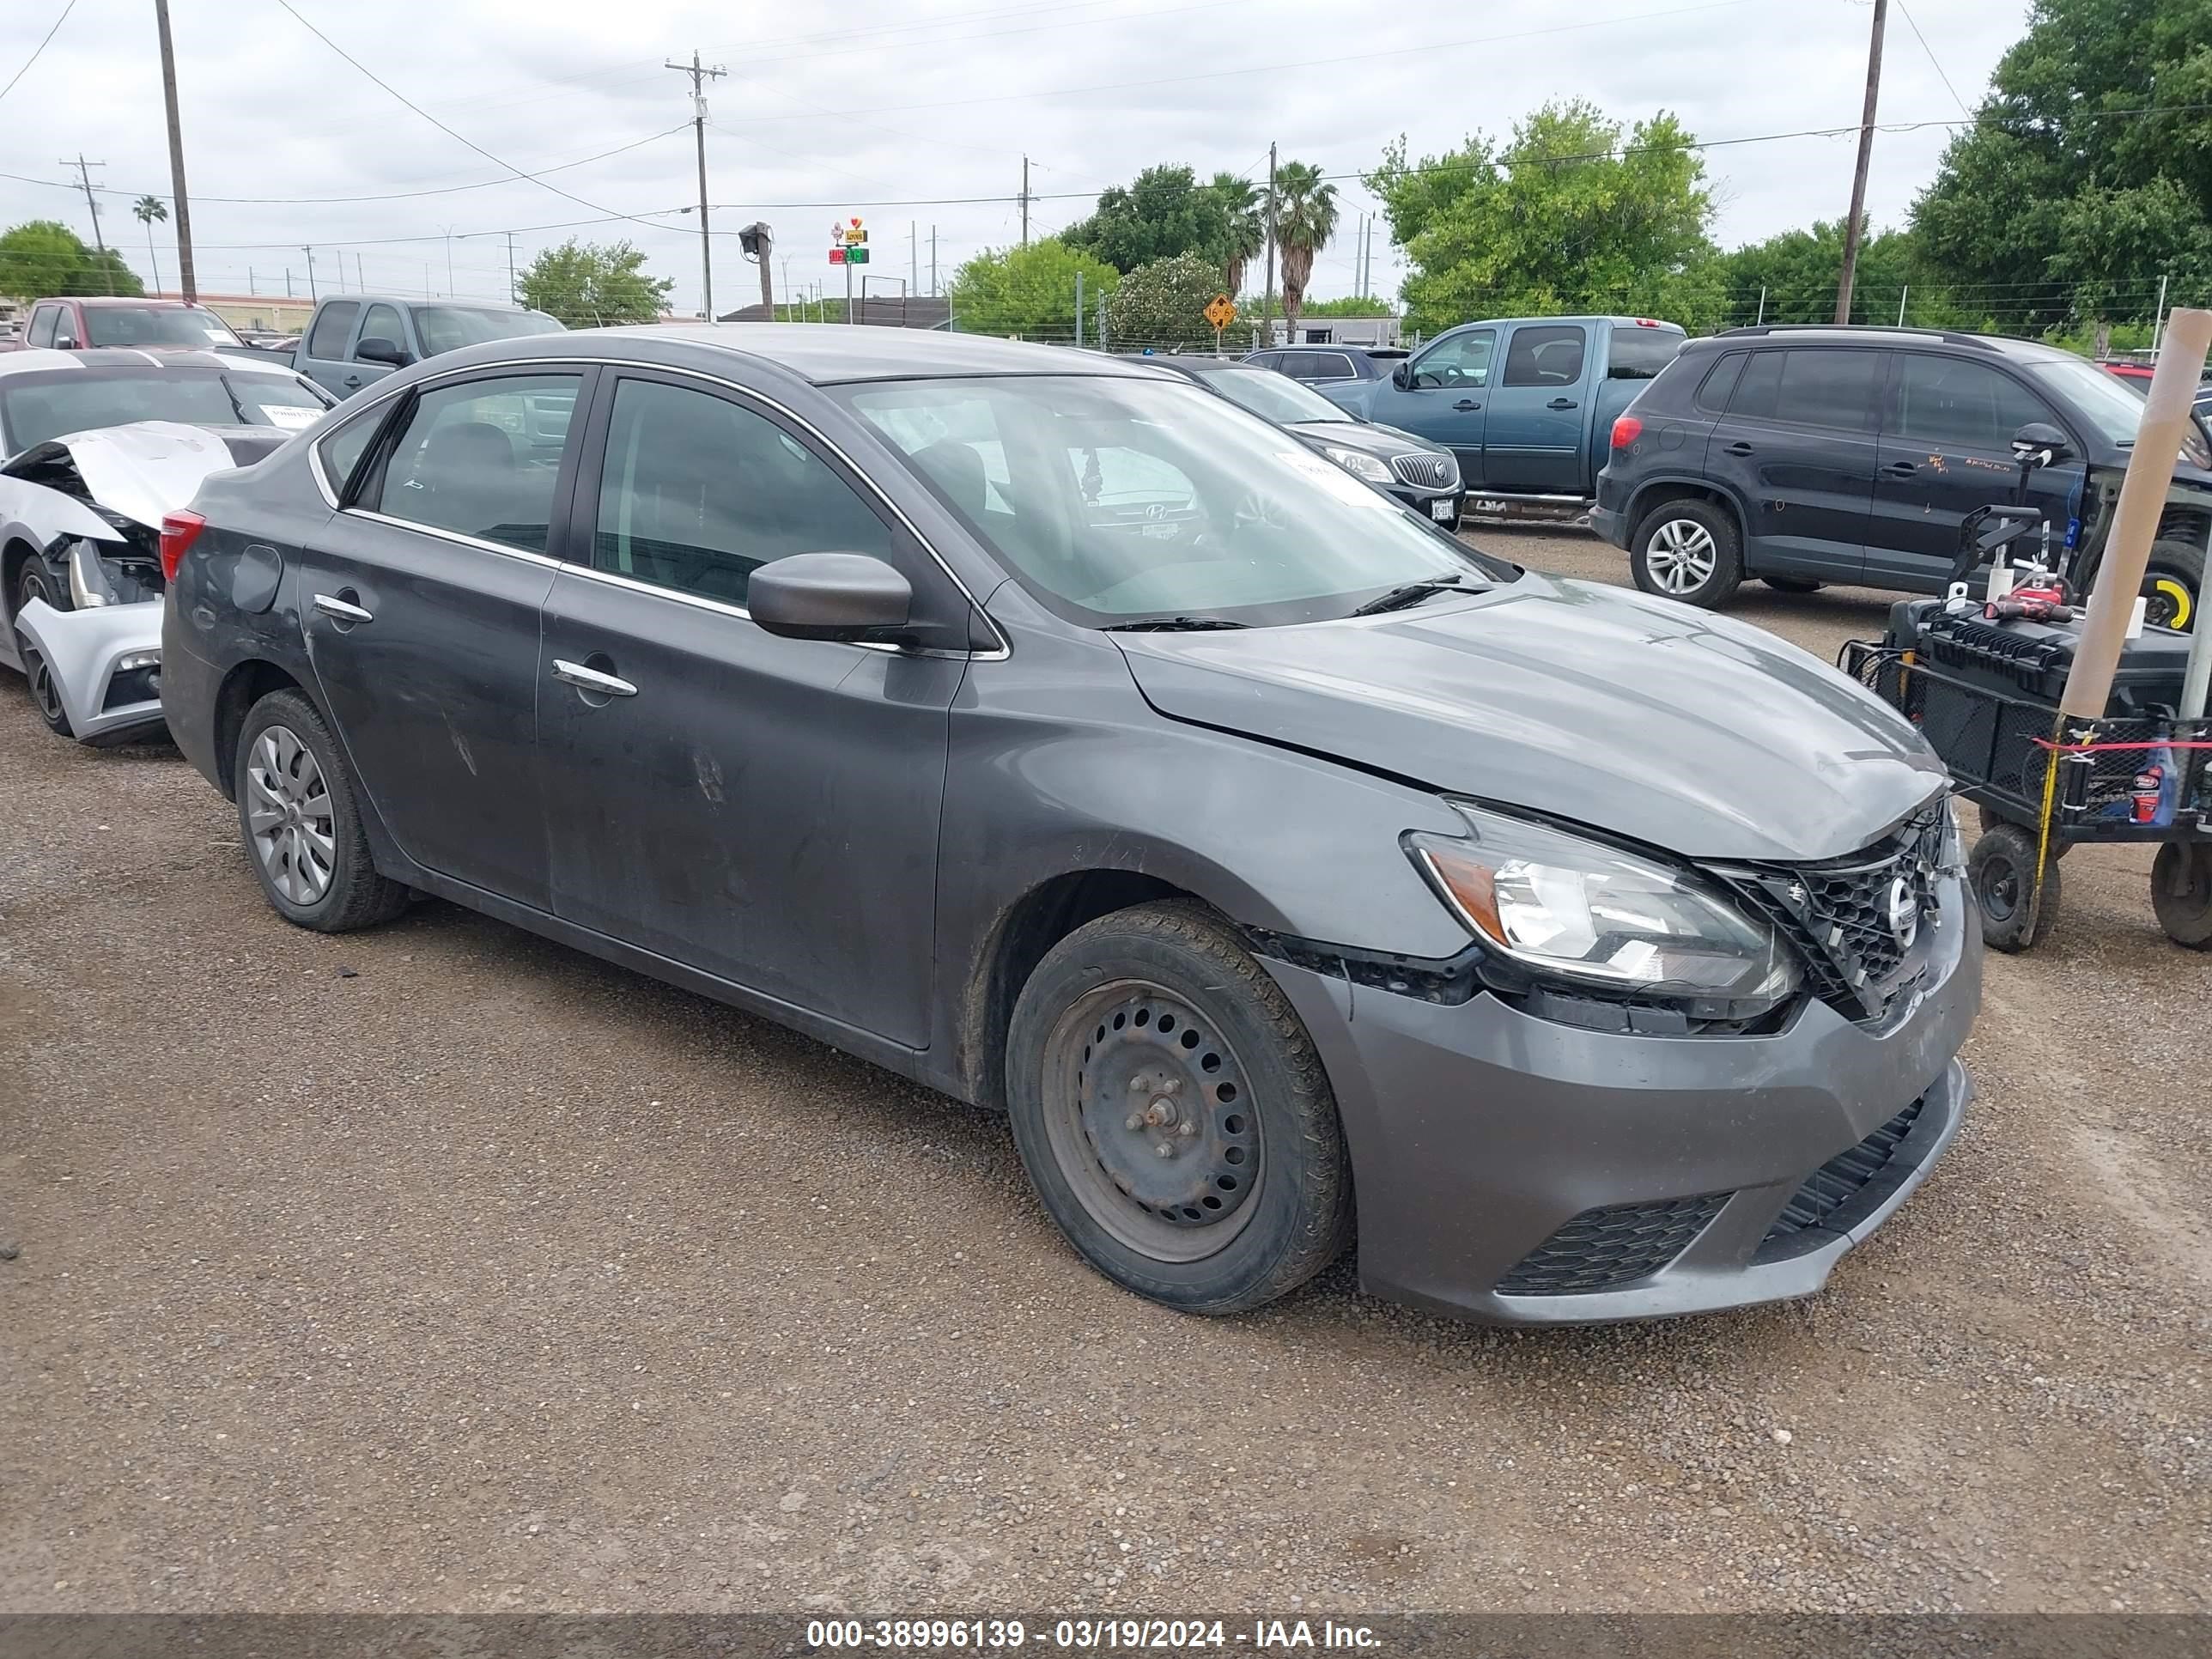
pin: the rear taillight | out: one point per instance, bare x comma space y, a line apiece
1626, 431
179, 530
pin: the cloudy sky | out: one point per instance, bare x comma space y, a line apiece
910, 113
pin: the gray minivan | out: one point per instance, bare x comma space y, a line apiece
355, 339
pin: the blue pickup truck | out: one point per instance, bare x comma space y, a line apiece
1526, 402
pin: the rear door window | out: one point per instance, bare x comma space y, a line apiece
1828, 388
475, 458
1549, 354
1720, 380
333, 329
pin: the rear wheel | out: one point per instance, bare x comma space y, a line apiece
1687, 550
2181, 892
2171, 583
36, 582
1172, 1115
301, 826
2001, 871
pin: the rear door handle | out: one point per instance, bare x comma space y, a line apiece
591, 679
1466, 403
1738, 448
1562, 402
342, 611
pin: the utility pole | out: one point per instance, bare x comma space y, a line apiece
1267, 295
312, 295
1367, 263
188, 286
91, 206
913, 257
510, 267
701, 74
932, 262
1025, 201
359, 280
1851, 226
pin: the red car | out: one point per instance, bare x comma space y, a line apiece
71, 325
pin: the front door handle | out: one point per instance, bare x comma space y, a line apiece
1562, 402
342, 611
591, 679
1738, 448
1466, 403
1899, 468
352, 380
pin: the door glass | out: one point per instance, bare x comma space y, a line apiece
341, 451
1544, 356
43, 322
333, 328
698, 492
383, 323
1712, 396
476, 458
1949, 404
1335, 365
1463, 360
1826, 388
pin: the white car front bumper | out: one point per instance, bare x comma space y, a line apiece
85, 649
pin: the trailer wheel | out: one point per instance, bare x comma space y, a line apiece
2181, 892
2001, 870
1990, 821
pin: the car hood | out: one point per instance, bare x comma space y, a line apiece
1686, 731
1366, 437
140, 470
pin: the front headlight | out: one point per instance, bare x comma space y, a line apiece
88, 585
1359, 465
1572, 909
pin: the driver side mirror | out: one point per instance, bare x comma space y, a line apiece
377, 350
828, 596
1402, 376
2040, 444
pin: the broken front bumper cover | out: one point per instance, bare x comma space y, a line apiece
85, 650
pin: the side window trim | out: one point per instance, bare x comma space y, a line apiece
1888, 405
1868, 422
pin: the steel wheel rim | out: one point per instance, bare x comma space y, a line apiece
289, 815
1131, 1067
1681, 556
2000, 889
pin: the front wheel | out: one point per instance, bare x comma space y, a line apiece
46, 692
2001, 871
2181, 892
1687, 551
2171, 584
1172, 1115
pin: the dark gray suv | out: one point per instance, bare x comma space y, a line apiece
1808, 455
1043, 727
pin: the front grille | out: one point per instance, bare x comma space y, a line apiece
1604, 1250
1856, 931
1426, 471
1837, 1182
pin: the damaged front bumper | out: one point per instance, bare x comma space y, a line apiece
106, 663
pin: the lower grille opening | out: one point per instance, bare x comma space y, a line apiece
1606, 1248
1836, 1183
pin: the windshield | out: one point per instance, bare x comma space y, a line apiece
36, 407
157, 326
448, 328
1112, 499
1271, 396
2111, 405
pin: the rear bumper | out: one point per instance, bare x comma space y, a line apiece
1522, 1171
85, 650
190, 687
1611, 525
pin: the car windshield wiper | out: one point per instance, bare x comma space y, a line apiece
1408, 593
1169, 624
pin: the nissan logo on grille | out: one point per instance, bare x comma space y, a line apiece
1904, 912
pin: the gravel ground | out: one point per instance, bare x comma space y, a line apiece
441, 1268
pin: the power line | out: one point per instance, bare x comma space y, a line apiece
38, 49
1933, 61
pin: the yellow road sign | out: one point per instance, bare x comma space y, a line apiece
1221, 313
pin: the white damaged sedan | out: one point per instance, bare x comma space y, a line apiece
100, 445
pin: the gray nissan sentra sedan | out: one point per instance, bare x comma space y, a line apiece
1045, 729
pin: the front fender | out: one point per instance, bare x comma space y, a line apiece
83, 649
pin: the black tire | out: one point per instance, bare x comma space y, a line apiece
1990, 821
351, 893
37, 582
2173, 584
1265, 1153
2000, 871
1794, 583
2181, 892
1698, 557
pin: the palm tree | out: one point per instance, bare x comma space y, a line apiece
1305, 218
147, 209
1239, 200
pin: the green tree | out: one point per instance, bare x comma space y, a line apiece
1305, 218
2088, 172
147, 209
1164, 303
593, 285
1243, 231
1162, 212
44, 257
1029, 291
1798, 269
1567, 216
1350, 305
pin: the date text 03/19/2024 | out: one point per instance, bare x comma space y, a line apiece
1087, 1635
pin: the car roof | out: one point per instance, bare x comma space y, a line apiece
828, 354
40, 359
1192, 361
2023, 351
141, 303
417, 300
